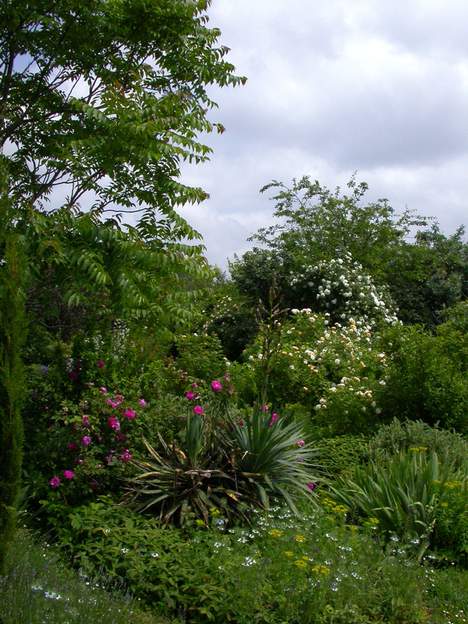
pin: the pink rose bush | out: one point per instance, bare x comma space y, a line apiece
98, 442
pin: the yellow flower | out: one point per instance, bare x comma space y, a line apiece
275, 533
321, 569
300, 563
299, 538
289, 553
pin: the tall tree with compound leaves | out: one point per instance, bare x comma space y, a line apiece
101, 101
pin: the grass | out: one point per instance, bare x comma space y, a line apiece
39, 588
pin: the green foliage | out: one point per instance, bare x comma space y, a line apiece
263, 573
429, 275
225, 466
199, 355
400, 496
333, 369
426, 376
111, 100
400, 436
38, 587
341, 454
12, 336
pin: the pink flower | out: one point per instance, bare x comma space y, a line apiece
198, 409
142, 403
86, 440
103, 390
54, 482
113, 423
85, 421
194, 385
119, 398
72, 446
216, 385
300, 443
311, 486
264, 408
100, 363
129, 413
112, 403
69, 474
190, 395
274, 419
126, 456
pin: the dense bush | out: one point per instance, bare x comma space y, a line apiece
426, 376
333, 369
282, 569
225, 464
401, 436
405, 496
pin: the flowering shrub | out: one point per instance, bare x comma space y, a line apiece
335, 369
342, 288
97, 437
226, 464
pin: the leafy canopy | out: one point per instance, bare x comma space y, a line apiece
100, 101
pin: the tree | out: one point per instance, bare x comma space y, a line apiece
12, 334
320, 224
101, 101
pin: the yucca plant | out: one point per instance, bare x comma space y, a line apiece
402, 494
272, 458
225, 467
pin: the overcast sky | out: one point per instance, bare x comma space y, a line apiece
374, 86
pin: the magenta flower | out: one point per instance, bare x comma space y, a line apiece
100, 363
69, 474
311, 486
86, 440
54, 482
216, 385
274, 419
113, 423
112, 403
142, 403
190, 395
72, 446
85, 421
129, 413
126, 456
103, 390
198, 409
300, 443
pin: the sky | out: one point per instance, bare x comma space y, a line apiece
377, 87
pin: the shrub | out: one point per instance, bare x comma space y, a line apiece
400, 496
340, 454
282, 569
426, 376
225, 465
400, 436
335, 370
